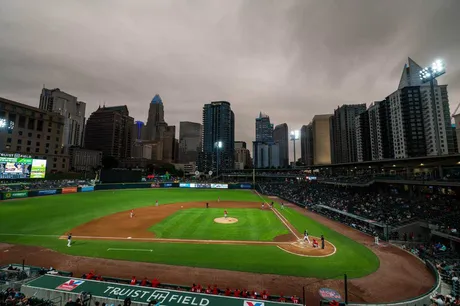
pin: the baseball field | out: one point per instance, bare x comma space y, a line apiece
182, 231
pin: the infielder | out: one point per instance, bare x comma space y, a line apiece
156, 203
131, 214
263, 205
282, 205
69, 240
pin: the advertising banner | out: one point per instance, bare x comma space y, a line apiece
155, 185
201, 185
245, 186
15, 195
184, 185
139, 294
219, 186
69, 190
169, 185
87, 188
47, 192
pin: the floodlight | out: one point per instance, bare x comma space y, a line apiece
219, 144
2, 123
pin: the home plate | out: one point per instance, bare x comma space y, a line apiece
129, 237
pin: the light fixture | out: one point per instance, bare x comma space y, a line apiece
422, 164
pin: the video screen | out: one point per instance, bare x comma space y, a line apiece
22, 168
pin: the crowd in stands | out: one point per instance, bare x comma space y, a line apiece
388, 209
7, 186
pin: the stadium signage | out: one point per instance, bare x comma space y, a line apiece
47, 192
15, 155
245, 186
330, 294
69, 190
137, 294
219, 186
87, 188
16, 194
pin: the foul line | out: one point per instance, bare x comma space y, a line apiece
281, 217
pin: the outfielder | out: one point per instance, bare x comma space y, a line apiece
218, 199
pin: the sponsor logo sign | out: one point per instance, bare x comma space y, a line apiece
69, 190
16, 194
184, 185
167, 185
47, 192
154, 185
245, 186
198, 185
219, 186
70, 284
87, 188
253, 303
329, 294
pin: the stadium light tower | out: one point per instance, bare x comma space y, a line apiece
295, 135
429, 74
218, 145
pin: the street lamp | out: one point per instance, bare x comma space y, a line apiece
429, 74
218, 145
295, 135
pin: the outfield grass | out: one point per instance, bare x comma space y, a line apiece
197, 223
54, 215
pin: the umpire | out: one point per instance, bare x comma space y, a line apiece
322, 242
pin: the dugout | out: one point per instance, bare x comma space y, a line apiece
119, 175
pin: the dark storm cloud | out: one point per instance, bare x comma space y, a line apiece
289, 59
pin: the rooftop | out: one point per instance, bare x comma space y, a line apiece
156, 100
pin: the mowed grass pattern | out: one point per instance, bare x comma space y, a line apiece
198, 223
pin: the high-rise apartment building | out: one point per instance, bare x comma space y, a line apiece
321, 139
363, 137
109, 129
281, 137
264, 129
306, 144
266, 155
380, 130
190, 134
218, 127
34, 132
242, 158
343, 141
57, 101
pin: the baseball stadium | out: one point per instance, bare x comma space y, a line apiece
233, 242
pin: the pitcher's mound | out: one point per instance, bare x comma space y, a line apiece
226, 220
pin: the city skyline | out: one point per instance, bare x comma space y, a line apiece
115, 57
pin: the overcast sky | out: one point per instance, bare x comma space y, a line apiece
289, 59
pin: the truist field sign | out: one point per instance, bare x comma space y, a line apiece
139, 294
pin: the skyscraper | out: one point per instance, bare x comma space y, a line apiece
240, 145
189, 141
363, 137
218, 126
264, 129
306, 144
343, 142
109, 129
159, 133
380, 129
57, 101
321, 139
281, 136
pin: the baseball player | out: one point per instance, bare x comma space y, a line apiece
263, 205
131, 214
218, 199
376, 239
305, 236
225, 214
69, 240
156, 203
282, 205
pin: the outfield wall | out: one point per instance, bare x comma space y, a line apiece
51, 287
11, 195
